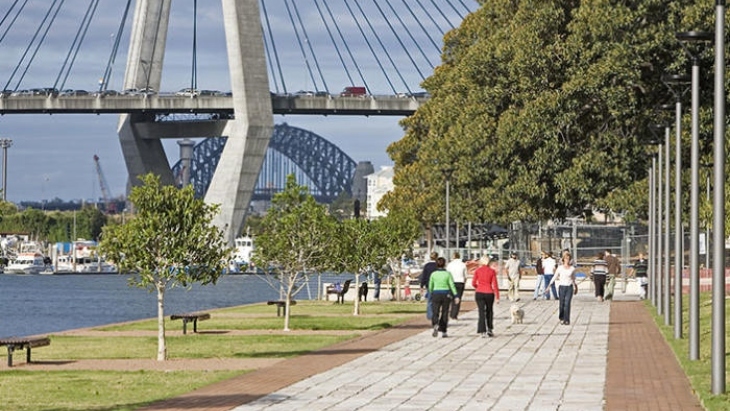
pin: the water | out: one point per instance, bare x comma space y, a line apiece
41, 304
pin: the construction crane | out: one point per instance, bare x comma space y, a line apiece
109, 205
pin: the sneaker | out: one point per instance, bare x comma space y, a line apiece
483, 335
444, 335
490, 333
435, 332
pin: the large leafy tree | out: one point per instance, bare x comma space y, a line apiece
170, 242
296, 238
539, 108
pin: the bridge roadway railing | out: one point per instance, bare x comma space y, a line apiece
384, 105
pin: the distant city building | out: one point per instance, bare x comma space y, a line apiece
359, 183
379, 183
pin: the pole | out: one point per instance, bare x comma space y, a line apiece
658, 236
650, 240
678, 250
694, 238
448, 226
5, 143
667, 221
718, 217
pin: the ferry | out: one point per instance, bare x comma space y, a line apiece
26, 263
241, 261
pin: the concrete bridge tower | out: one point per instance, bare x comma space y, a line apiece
248, 135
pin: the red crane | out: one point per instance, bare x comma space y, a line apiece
109, 204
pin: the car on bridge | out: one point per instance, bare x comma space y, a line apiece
188, 92
70, 93
104, 93
354, 91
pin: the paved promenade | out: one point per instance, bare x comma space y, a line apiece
611, 357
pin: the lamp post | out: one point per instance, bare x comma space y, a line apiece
654, 276
692, 43
662, 282
5, 143
718, 218
447, 175
678, 85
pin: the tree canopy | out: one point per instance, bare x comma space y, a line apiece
540, 108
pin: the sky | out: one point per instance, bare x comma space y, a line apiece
52, 155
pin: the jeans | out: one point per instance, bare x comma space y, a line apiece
456, 307
643, 285
440, 303
485, 303
539, 286
547, 279
564, 297
429, 307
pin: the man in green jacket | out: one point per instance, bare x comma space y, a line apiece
442, 290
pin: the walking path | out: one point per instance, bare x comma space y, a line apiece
611, 357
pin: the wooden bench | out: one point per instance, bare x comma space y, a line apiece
280, 304
340, 293
188, 317
23, 343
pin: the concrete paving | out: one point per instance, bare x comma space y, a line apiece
537, 365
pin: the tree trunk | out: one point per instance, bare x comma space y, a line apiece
287, 303
161, 347
356, 310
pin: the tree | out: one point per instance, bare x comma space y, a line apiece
169, 243
553, 100
296, 238
393, 237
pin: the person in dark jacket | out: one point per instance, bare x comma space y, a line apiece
428, 269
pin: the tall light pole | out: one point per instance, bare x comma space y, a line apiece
678, 84
447, 175
663, 282
653, 219
692, 43
5, 143
718, 216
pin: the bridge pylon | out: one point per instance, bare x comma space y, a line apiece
248, 134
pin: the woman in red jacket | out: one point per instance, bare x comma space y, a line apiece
486, 293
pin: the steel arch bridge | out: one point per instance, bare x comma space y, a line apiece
317, 163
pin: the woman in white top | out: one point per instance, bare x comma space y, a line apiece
565, 277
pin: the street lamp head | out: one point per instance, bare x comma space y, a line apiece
676, 79
657, 130
666, 107
689, 37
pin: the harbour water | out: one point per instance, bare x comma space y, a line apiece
41, 304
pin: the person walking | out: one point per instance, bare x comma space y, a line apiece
513, 269
486, 293
641, 268
599, 272
428, 269
548, 267
565, 278
457, 268
442, 290
614, 269
540, 280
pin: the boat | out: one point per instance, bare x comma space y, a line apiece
241, 261
81, 258
26, 263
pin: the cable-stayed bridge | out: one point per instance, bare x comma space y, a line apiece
245, 61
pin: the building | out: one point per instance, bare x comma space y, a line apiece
379, 183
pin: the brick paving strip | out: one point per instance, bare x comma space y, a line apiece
643, 372
229, 394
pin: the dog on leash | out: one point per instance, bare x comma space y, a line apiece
517, 313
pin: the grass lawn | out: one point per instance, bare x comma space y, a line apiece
699, 372
23, 388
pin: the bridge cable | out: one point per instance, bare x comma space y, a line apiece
194, 75
443, 33
441, 12
104, 83
468, 10
30, 45
458, 13
397, 37
76, 45
273, 46
377, 59
311, 49
385, 49
347, 47
301, 46
334, 43
418, 21
269, 60
407, 30
7, 14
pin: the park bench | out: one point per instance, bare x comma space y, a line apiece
280, 305
331, 289
26, 343
188, 317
